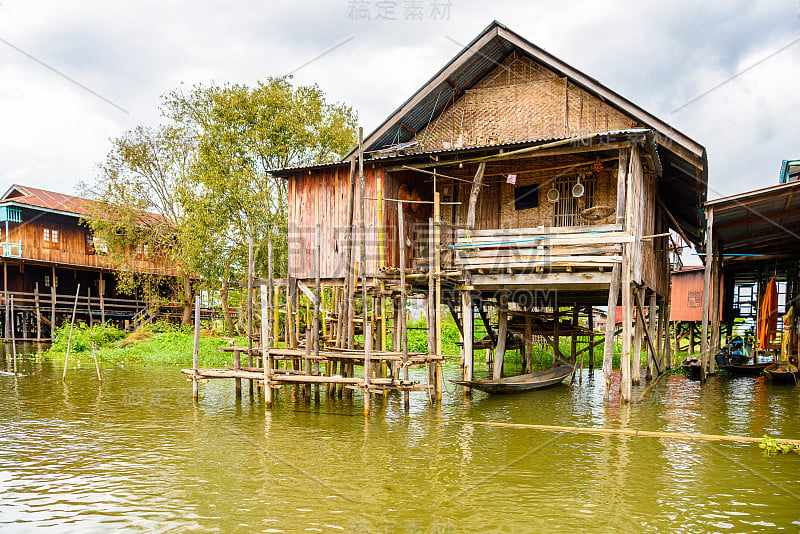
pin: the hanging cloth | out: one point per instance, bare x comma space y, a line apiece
786, 338
767, 324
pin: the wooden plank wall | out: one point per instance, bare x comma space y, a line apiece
71, 246
321, 197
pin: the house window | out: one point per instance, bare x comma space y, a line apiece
568, 208
526, 197
50, 238
47, 281
695, 299
89, 244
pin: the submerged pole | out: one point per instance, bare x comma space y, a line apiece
69, 339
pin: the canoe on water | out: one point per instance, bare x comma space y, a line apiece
783, 373
511, 384
693, 367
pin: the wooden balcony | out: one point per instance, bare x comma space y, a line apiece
541, 256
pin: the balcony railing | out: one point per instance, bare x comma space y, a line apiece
11, 250
540, 249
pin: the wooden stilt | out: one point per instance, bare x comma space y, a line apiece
636, 351
467, 318
652, 328
573, 351
100, 291
402, 311
265, 344
196, 350
437, 268
53, 325
707, 282
625, 358
38, 313
237, 364
13, 336
249, 306
502, 332
611, 323
590, 324
528, 345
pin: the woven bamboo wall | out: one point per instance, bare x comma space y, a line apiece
520, 101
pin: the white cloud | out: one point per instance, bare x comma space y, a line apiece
658, 55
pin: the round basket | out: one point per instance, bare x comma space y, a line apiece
553, 195
595, 213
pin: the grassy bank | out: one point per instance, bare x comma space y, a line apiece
159, 343
163, 343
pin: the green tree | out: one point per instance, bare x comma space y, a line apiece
242, 133
138, 210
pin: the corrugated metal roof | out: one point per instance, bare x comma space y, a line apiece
763, 221
49, 200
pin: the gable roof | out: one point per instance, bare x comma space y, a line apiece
47, 200
482, 55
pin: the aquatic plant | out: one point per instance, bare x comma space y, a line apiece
772, 446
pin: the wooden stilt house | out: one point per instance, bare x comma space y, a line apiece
521, 185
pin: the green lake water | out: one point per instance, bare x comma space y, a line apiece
137, 454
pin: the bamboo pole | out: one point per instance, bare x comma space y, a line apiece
250, 305
316, 318
196, 349
69, 339
403, 326
96, 365
430, 309
651, 331
89, 305
100, 290
437, 268
467, 320
686, 436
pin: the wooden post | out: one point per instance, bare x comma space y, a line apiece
467, 319
627, 300
196, 350
265, 344
590, 320
5, 300
89, 305
69, 339
38, 313
367, 363
100, 291
13, 335
574, 336
249, 305
715, 304
437, 267
528, 344
611, 324
237, 364
430, 309
556, 328
473, 195
402, 311
638, 333
502, 331
53, 304
651, 330
707, 292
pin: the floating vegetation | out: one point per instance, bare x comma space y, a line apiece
772, 446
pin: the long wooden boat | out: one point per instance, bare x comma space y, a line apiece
511, 384
693, 367
752, 369
783, 373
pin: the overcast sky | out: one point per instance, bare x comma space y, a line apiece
119, 58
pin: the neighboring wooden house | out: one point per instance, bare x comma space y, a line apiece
542, 189
47, 253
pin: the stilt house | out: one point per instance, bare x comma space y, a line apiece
523, 185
